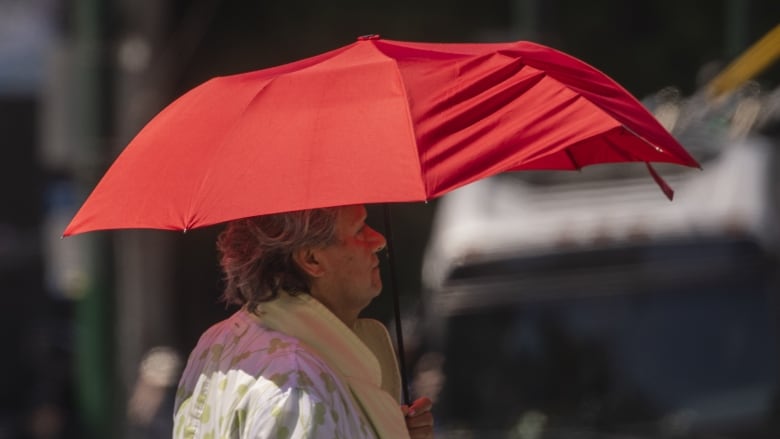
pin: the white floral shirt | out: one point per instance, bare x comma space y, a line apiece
244, 380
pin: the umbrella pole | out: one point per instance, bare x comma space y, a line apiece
396, 307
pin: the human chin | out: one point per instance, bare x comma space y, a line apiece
376, 280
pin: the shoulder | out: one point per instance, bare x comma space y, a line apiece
276, 359
241, 337
241, 346
292, 366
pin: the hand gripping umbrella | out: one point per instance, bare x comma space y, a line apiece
376, 121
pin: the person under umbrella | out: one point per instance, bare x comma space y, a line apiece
295, 360
375, 121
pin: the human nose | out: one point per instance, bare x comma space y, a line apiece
378, 241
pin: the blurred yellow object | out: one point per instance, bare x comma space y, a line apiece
758, 57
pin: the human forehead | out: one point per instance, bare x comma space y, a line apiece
352, 215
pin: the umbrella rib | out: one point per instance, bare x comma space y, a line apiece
647, 142
573, 160
611, 115
662, 184
191, 221
412, 132
622, 152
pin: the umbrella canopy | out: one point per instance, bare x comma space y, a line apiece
374, 121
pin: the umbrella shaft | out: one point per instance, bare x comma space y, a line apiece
396, 307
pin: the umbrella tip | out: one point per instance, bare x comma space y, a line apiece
368, 37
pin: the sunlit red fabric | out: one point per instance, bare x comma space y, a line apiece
374, 121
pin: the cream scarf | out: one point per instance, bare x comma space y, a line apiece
355, 354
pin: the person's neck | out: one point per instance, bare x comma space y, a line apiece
345, 315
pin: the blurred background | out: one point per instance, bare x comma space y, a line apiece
540, 305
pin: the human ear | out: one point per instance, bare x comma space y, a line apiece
307, 260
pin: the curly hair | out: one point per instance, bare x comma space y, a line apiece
256, 254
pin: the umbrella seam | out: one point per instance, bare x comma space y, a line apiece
410, 121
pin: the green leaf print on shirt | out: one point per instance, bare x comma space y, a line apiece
216, 352
280, 378
304, 381
239, 358
283, 433
319, 413
205, 416
181, 392
277, 343
239, 419
330, 386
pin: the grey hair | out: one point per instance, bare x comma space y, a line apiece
256, 254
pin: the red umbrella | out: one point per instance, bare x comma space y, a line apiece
374, 121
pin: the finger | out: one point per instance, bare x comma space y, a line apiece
421, 405
420, 421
